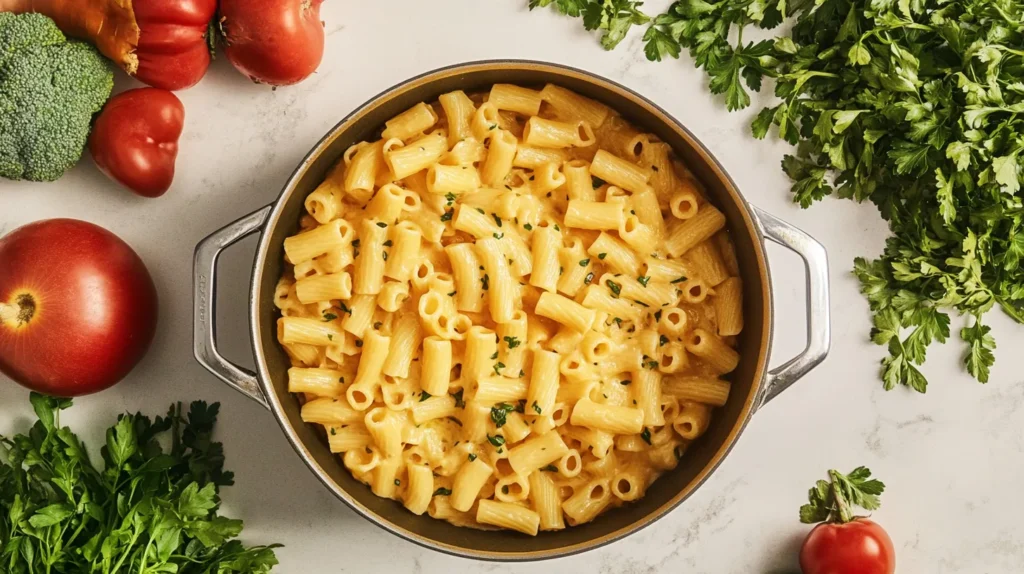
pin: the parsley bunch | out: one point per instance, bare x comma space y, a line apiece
913, 105
147, 511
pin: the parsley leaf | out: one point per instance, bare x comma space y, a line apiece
613, 18
833, 500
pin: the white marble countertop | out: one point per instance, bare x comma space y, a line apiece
951, 459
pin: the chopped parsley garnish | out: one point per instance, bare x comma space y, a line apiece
615, 287
496, 219
494, 356
498, 367
472, 457
497, 440
498, 235
662, 341
601, 256
584, 262
528, 227
388, 243
444, 491
589, 278
643, 280
680, 280
459, 403
381, 224
536, 407
485, 281
499, 412
329, 316
646, 435
424, 396
512, 342
625, 382
448, 215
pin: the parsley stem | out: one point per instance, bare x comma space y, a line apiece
845, 511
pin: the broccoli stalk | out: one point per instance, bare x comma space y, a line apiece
49, 90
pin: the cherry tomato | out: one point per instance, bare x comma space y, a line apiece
174, 48
857, 547
276, 42
135, 139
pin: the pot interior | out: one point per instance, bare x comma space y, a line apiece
701, 458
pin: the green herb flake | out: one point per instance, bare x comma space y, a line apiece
646, 435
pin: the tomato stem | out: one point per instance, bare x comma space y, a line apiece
20, 312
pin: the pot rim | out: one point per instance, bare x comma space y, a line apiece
274, 402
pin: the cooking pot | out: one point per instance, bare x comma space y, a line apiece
753, 384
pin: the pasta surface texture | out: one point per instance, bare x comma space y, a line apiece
512, 310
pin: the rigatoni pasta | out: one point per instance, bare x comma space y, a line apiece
512, 310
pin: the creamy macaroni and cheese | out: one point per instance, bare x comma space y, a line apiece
511, 310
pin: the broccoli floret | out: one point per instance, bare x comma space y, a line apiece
50, 88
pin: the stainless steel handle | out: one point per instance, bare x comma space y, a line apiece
204, 304
819, 326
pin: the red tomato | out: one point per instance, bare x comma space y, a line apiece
276, 42
78, 308
174, 49
135, 139
858, 547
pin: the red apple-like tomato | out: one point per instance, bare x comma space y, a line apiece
78, 308
276, 42
134, 140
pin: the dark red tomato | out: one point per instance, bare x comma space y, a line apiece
276, 42
174, 48
858, 547
78, 308
135, 139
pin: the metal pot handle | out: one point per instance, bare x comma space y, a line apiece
204, 304
819, 326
